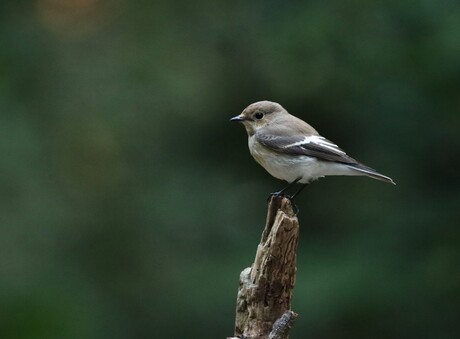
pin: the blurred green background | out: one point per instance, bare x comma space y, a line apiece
130, 205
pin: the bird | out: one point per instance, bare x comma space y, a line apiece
290, 149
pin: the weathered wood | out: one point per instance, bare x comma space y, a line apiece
265, 289
282, 326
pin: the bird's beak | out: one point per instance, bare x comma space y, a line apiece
238, 118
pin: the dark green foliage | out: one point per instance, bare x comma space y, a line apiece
129, 203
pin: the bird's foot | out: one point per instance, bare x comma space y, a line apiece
295, 208
277, 195
283, 195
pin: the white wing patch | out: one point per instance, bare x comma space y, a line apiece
317, 140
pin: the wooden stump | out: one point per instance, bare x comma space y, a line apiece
265, 289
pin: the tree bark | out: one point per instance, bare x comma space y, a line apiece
265, 289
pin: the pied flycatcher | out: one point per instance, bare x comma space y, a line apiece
290, 149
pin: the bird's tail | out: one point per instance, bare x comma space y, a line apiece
371, 173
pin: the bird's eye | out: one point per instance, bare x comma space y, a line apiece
259, 115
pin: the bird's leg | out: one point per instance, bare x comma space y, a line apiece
298, 191
281, 193
294, 206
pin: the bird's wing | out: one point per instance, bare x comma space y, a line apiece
318, 147
309, 145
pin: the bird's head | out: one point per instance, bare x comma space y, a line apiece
258, 115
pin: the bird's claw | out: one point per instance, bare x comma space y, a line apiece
295, 208
283, 195
277, 195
